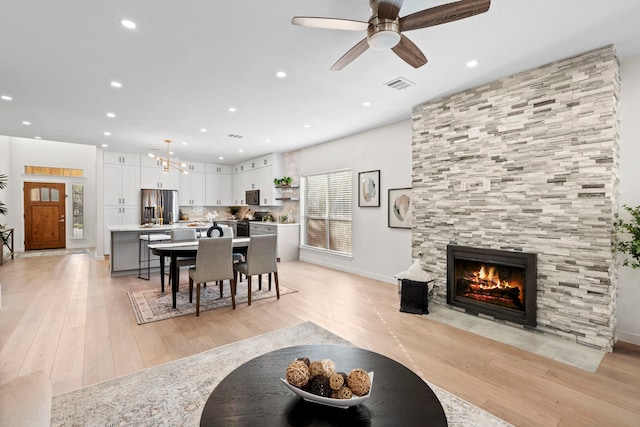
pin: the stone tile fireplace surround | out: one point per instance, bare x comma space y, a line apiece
529, 163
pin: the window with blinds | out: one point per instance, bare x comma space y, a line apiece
327, 211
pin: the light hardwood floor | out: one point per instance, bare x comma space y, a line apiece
66, 316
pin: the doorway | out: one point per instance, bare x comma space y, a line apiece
44, 215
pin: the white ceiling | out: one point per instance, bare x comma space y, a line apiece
189, 61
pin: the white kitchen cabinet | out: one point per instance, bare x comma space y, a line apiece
121, 191
239, 188
218, 185
288, 238
192, 190
121, 184
218, 190
154, 177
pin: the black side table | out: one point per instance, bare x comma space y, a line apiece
6, 235
253, 394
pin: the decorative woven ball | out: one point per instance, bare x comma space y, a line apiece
359, 382
344, 393
298, 373
315, 368
328, 367
320, 386
336, 381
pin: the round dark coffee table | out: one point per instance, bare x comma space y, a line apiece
253, 395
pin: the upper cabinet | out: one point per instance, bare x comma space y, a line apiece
218, 185
258, 174
153, 176
121, 179
192, 185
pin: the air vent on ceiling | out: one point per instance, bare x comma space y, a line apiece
233, 135
400, 83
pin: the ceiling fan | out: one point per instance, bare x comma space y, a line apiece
385, 27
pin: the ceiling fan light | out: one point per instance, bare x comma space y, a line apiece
383, 40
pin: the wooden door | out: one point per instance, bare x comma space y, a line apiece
44, 215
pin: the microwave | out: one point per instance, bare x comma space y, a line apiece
253, 197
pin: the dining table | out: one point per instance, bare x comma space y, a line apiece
175, 250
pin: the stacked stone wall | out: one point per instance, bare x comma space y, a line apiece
529, 163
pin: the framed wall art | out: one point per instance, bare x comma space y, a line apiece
369, 189
400, 207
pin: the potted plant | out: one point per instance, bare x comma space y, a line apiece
233, 210
630, 247
3, 184
282, 182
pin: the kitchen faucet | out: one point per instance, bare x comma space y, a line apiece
170, 218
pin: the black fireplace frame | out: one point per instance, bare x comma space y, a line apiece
525, 260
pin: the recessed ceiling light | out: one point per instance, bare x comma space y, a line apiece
111, 115
26, 123
184, 143
472, 63
203, 130
172, 153
232, 109
220, 158
307, 126
105, 145
281, 74
37, 137
267, 140
127, 23
116, 84
107, 133
366, 104
241, 151
6, 97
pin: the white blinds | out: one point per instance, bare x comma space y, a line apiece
328, 204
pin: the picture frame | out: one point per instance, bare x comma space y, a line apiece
400, 208
369, 189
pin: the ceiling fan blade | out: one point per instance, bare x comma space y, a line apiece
352, 54
410, 53
443, 14
389, 9
330, 23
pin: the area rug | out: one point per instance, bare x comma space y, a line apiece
152, 305
174, 394
51, 252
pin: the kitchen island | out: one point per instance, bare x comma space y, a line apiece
127, 248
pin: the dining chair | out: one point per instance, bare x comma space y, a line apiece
183, 235
260, 259
221, 230
213, 264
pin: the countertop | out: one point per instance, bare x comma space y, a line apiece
136, 227
186, 224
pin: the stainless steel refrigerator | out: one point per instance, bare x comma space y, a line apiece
159, 205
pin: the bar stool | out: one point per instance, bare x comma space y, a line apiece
145, 239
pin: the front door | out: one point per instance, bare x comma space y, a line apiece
44, 220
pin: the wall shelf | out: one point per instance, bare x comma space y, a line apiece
285, 190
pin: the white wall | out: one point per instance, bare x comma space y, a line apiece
5, 168
629, 280
24, 151
379, 252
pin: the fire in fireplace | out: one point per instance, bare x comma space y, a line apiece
498, 283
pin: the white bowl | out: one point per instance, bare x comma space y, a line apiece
336, 403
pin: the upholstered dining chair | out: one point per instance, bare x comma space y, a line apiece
260, 259
221, 230
183, 235
213, 264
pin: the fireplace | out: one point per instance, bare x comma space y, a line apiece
501, 284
